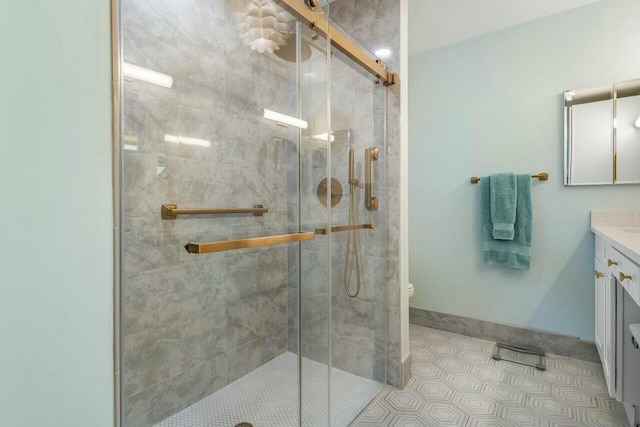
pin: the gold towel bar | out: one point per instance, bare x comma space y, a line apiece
170, 211
542, 176
345, 228
228, 245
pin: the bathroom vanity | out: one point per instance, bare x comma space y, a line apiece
617, 303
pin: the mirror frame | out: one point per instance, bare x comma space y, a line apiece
573, 97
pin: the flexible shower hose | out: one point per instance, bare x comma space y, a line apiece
352, 236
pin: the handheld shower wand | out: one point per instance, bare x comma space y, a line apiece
352, 235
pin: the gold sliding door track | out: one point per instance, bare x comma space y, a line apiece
312, 16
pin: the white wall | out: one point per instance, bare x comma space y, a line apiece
56, 279
492, 104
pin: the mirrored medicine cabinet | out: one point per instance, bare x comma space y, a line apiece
602, 134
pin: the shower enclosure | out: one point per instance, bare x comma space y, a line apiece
253, 251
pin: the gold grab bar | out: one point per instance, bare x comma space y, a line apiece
229, 245
542, 176
170, 211
370, 154
345, 228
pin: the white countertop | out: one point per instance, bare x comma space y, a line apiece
621, 229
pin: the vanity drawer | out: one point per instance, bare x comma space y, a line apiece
628, 274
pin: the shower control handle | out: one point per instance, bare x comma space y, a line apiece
370, 154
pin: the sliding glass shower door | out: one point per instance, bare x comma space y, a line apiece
358, 257
237, 205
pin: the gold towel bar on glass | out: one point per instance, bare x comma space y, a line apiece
543, 176
170, 211
228, 245
346, 228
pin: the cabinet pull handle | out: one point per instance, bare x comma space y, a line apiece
611, 262
624, 276
599, 275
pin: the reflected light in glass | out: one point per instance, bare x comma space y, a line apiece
637, 123
130, 147
324, 137
187, 140
146, 75
383, 53
284, 119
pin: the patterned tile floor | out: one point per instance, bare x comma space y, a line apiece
268, 397
456, 383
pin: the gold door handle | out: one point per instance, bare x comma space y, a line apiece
254, 242
599, 275
624, 276
611, 262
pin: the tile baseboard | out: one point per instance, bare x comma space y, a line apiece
550, 342
406, 370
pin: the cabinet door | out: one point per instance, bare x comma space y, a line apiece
609, 363
600, 310
630, 355
605, 323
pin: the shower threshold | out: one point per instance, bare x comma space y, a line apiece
268, 396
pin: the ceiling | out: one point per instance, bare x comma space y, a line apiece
437, 23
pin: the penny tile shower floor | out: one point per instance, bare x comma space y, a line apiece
267, 397
456, 383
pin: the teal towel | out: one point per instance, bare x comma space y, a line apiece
514, 253
504, 194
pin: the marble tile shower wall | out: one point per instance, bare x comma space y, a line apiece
194, 323
358, 325
308, 264
375, 24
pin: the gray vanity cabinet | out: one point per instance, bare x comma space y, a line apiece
616, 307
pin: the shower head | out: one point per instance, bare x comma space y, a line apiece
288, 51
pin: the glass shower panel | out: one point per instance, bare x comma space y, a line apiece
358, 264
314, 211
209, 336
234, 104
